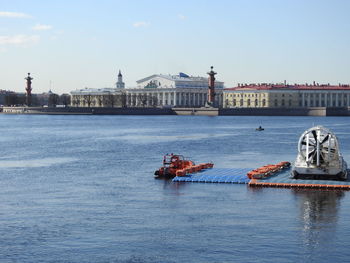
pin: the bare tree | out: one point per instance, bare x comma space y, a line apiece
53, 100
11, 99
142, 99
76, 102
110, 100
88, 99
100, 101
65, 99
154, 101
123, 99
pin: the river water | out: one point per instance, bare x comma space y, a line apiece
81, 189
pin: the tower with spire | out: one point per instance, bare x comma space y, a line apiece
120, 84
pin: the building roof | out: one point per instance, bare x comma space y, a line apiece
279, 86
91, 91
180, 77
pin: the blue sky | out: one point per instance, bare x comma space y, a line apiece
77, 44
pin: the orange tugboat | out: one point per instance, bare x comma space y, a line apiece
177, 165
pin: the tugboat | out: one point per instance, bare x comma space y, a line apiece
319, 156
177, 165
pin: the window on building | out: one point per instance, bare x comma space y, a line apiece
264, 102
282, 103
256, 102
234, 102
248, 102
276, 103
241, 102
289, 103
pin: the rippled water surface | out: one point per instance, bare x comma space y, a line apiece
81, 189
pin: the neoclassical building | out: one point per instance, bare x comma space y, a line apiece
179, 90
154, 91
284, 95
105, 97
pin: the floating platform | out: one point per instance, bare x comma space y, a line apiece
283, 179
217, 175
280, 179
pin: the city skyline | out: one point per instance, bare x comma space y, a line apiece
68, 46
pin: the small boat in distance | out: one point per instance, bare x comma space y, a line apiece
259, 128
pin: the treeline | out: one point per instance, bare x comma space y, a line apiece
50, 100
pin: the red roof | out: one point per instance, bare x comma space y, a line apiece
290, 87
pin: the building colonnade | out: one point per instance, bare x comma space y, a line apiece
168, 97
286, 98
325, 99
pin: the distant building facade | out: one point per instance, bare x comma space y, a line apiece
284, 95
105, 97
173, 91
153, 91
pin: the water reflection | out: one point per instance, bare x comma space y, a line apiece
318, 215
173, 187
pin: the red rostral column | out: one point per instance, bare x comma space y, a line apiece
211, 87
29, 90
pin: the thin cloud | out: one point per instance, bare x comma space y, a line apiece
40, 27
14, 15
19, 40
181, 17
141, 24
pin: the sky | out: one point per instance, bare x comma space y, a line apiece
69, 45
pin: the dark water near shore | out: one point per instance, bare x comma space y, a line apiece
81, 189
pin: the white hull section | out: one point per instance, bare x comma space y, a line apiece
319, 156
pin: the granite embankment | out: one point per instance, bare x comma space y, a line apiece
312, 111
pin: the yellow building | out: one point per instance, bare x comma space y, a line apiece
281, 95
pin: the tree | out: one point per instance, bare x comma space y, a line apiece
88, 99
14, 99
154, 101
65, 99
110, 100
142, 99
11, 99
123, 99
53, 100
100, 101
35, 100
